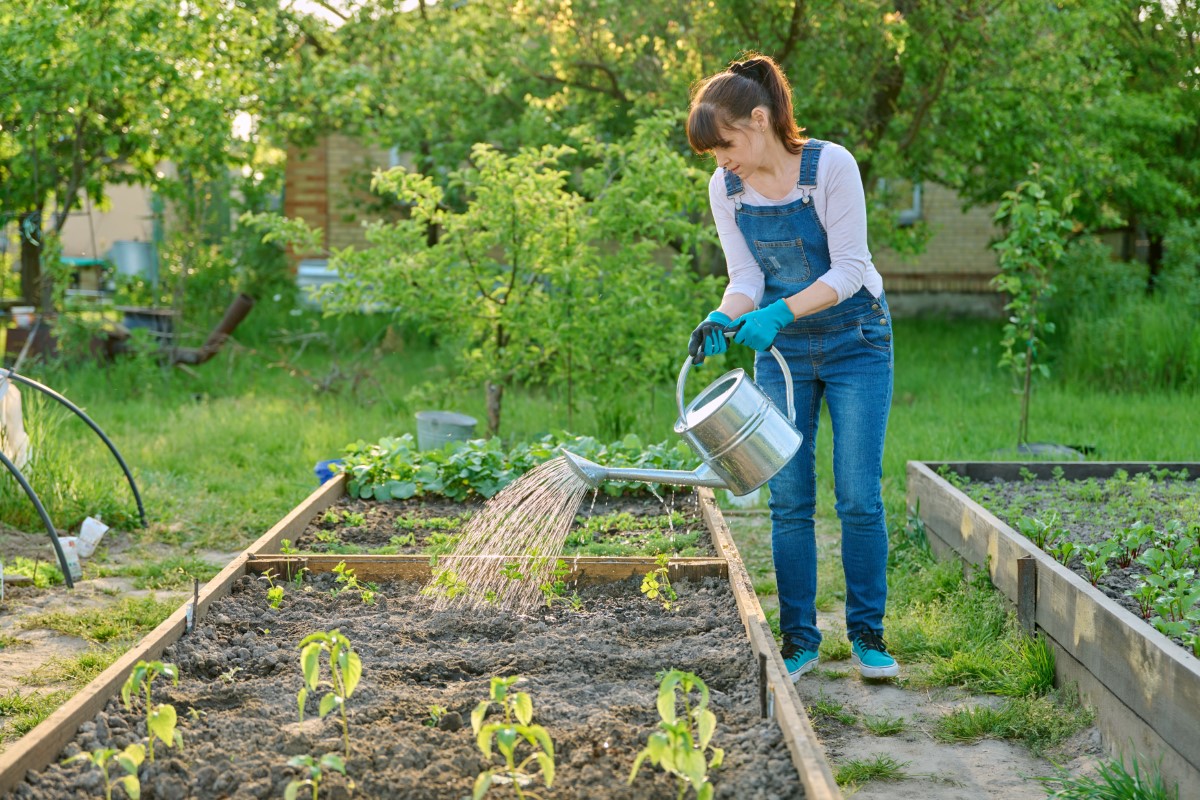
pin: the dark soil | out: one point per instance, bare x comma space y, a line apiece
638, 525
591, 676
1093, 511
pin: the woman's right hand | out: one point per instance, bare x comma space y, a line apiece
709, 337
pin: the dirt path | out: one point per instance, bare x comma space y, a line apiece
932, 770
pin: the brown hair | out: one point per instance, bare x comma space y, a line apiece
724, 99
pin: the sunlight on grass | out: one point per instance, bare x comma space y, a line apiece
880, 767
131, 618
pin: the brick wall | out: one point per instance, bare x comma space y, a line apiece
958, 257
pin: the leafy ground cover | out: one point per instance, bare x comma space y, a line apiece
1136, 538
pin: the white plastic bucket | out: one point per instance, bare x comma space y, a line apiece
90, 533
23, 315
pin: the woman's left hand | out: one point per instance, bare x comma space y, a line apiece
758, 329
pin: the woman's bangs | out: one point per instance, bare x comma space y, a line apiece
704, 129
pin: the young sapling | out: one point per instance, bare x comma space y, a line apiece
161, 718
506, 736
128, 759
317, 769
274, 593
345, 668
656, 584
682, 743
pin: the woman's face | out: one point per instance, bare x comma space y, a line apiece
744, 155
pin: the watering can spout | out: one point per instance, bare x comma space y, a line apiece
594, 474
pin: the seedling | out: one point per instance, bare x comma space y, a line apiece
316, 771
128, 759
354, 519
512, 571
274, 593
1062, 552
656, 584
446, 582
286, 548
404, 541
555, 589
681, 744
506, 736
327, 537
331, 517
161, 718
1043, 532
345, 668
349, 582
436, 713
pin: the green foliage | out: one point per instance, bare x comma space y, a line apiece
506, 737
129, 619
128, 760
1112, 781
879, 767
317, 770
1036, 224
160, 718
394, 469
681, 744
345, 670
347, 581
656, 584
1038, 722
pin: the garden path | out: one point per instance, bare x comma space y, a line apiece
929, 768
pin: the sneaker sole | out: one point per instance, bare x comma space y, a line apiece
806, 667
874, 672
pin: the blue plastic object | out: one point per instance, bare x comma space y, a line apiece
323, 471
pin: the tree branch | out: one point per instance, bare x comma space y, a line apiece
793, 35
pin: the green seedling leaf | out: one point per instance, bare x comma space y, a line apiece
328, 703
131, 785
351, 671
310, 663
482, 784
546, 762
478, 715
160, 722
301, 696
523, 706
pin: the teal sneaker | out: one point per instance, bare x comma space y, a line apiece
870, 655
797, 660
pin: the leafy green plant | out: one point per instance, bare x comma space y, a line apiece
348, 582
436, 713
160, 718
317, 769
331, 517
1095, 559
345, 670
656, 584
555, 589
506, 735
287, 548
681, 744
1043, 532
274, 593
128, 760
1036, 224
354, 519
446, 583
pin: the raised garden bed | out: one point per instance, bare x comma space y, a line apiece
591, 674
1146, 687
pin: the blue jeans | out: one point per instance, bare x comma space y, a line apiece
846, 358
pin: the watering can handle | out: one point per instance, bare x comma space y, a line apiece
787, 377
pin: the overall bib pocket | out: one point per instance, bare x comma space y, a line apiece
786, 261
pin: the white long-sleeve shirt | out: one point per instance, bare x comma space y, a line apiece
841, 206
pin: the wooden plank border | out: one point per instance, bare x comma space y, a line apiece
1155, 679
782, 701
40, 746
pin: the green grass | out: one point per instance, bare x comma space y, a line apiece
885, 726
1039, 723
76, 671
880, 767
1112, 781
127, 620
21, 713
827, 708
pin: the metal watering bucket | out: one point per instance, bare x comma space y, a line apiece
737, 431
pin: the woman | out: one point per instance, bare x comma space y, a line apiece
792, 219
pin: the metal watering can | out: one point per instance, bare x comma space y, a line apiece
740, 435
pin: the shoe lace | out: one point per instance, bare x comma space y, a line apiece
870, 640
790, 649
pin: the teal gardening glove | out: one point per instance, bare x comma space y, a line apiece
709, 338
757, 329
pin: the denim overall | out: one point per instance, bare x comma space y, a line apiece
844, 354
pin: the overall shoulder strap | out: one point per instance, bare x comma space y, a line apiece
733, 184
810, 156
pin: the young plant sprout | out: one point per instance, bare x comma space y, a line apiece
347, 580
274, 593
330, 762
161, 718
656, 584
506, 735
128, 759
345, 668
681, 744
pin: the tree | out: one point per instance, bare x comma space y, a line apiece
97, 92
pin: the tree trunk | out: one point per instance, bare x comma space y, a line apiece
495, 394
1154, 257
30, 231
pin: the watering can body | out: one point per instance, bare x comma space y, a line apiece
737, 431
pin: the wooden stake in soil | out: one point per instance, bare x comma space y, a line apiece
521, 531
